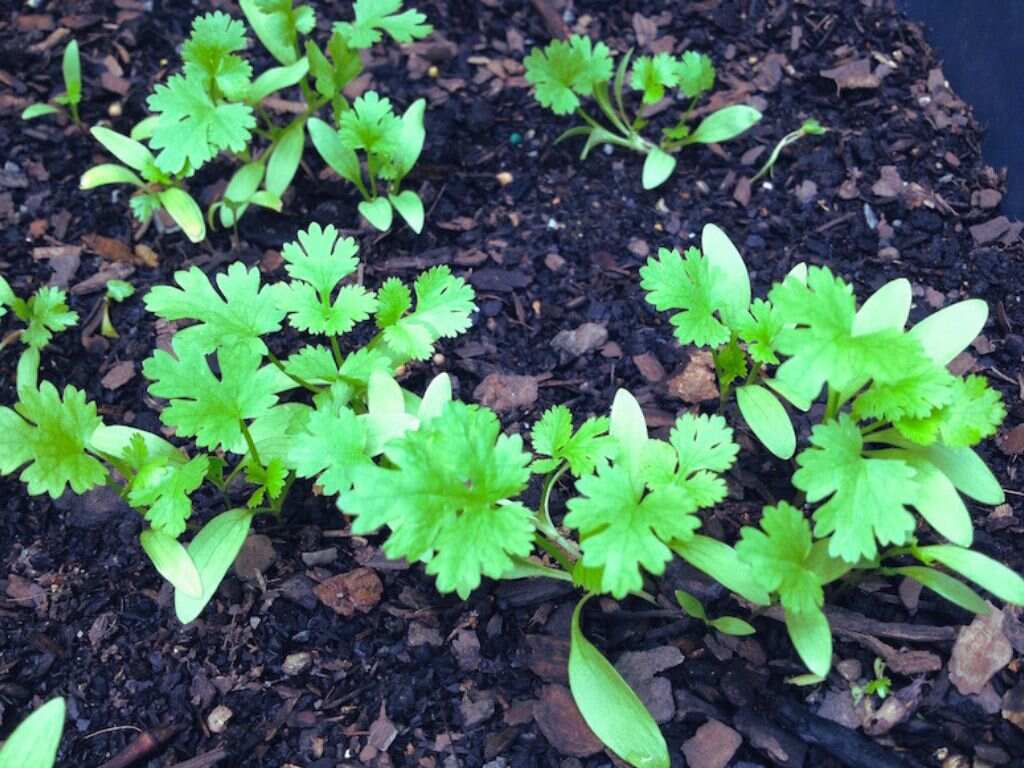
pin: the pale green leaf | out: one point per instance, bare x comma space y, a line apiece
213, 550
609, 706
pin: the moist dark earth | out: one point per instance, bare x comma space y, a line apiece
898, 187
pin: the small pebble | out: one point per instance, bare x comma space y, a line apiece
504, 178
297, 663
217, 720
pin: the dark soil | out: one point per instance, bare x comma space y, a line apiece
557, 245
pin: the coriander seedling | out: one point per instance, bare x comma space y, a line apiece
46, 312
809, 127
567, 70
880, 686
390, 146
214, 107
71, 67
896, 433
727, 625
117, 291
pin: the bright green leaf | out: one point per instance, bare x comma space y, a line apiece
193, 128
723, 125
658, 166
378, 212
234, 314
171, 561
553, 437
374, 16
609, 706
49, 436
445, 498
767, 419
867, 497
410, 208
213, 550
185, 211
948, 332
778, 555
34, 743
566, 70
206, 407
812, 639
982, 570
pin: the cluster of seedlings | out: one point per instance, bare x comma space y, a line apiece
889, 460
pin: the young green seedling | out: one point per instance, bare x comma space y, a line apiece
896, 433
390, 144
879, 686
155, 189
727, 625
244, 434
444, 486
809, 127
117, 291
35, 741
71, 67
43, 314
567, 70
215, 106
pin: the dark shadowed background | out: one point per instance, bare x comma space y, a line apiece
981, 43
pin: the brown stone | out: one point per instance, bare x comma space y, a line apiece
358, 590
560, 721
712, 746
696, 382
981, 650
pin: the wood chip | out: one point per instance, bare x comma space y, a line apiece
559, 719
697, 381
712, 746
358, 590
857, 74
506, 392
649, 367
1012, 443
990, 230
107, 248
255, 557
579, 341
981, 650
119, 375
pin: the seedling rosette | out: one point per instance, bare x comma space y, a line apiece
566, 71
880, 479
71, 70
897, 431
216, 106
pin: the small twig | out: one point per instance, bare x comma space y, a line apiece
553, 20
144, 745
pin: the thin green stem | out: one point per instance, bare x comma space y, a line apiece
233, 474
297, 379
832, 405
872, 428
278, 504
724, 388
251, 443
336, 351
555, 551
544, 522
755, 371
